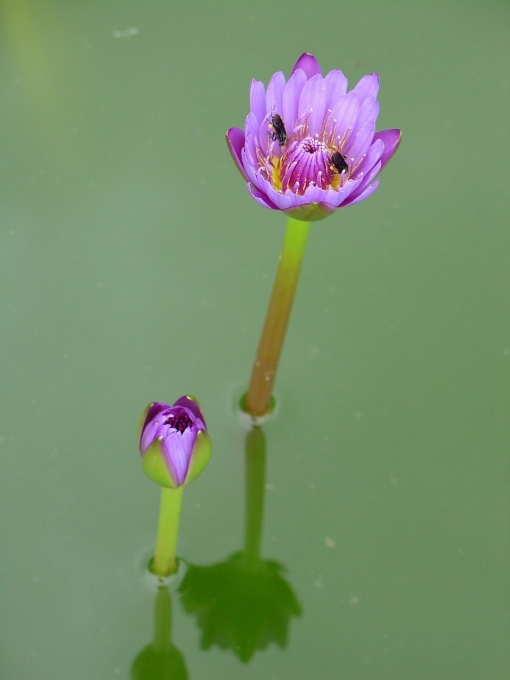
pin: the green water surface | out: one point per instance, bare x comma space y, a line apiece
136, 268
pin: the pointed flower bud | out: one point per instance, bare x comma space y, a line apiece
309, 146
174, 443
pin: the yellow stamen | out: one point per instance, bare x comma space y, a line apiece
275, 174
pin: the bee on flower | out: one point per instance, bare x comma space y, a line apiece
277, 129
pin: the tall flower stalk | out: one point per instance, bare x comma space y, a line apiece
263, 374
308, 148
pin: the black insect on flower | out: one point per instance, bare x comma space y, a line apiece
277, 131
338, 162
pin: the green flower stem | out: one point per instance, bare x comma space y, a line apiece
255, 460
165, 560
277, 318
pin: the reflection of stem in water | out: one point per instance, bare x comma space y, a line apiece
243, 603
278, 312
160, 659
255, 459
162, 620
165, 560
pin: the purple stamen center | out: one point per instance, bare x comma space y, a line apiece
179, 422
307, 162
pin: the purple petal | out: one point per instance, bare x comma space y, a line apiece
369, 110
291, 95
360, 143
274, 94
263, 139
345, 112
257, 136
338, 197
309, 64
283, 201
154, 409
332, 197
367, 179
151, 432
314, 194
252, 124
235, 143
368, 86
177, 449
372, 156
357, 198
313, 102
258, 99
252, 132
253, 173
260, 197
336, 85
249, 152
391, 139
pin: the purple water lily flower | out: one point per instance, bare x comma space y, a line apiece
309, 146
174, 443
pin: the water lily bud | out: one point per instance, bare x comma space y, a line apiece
174, 443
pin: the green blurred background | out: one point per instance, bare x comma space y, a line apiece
136, 268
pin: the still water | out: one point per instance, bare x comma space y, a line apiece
136, 268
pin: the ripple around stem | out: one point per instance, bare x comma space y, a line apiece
152, 581
242, 417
